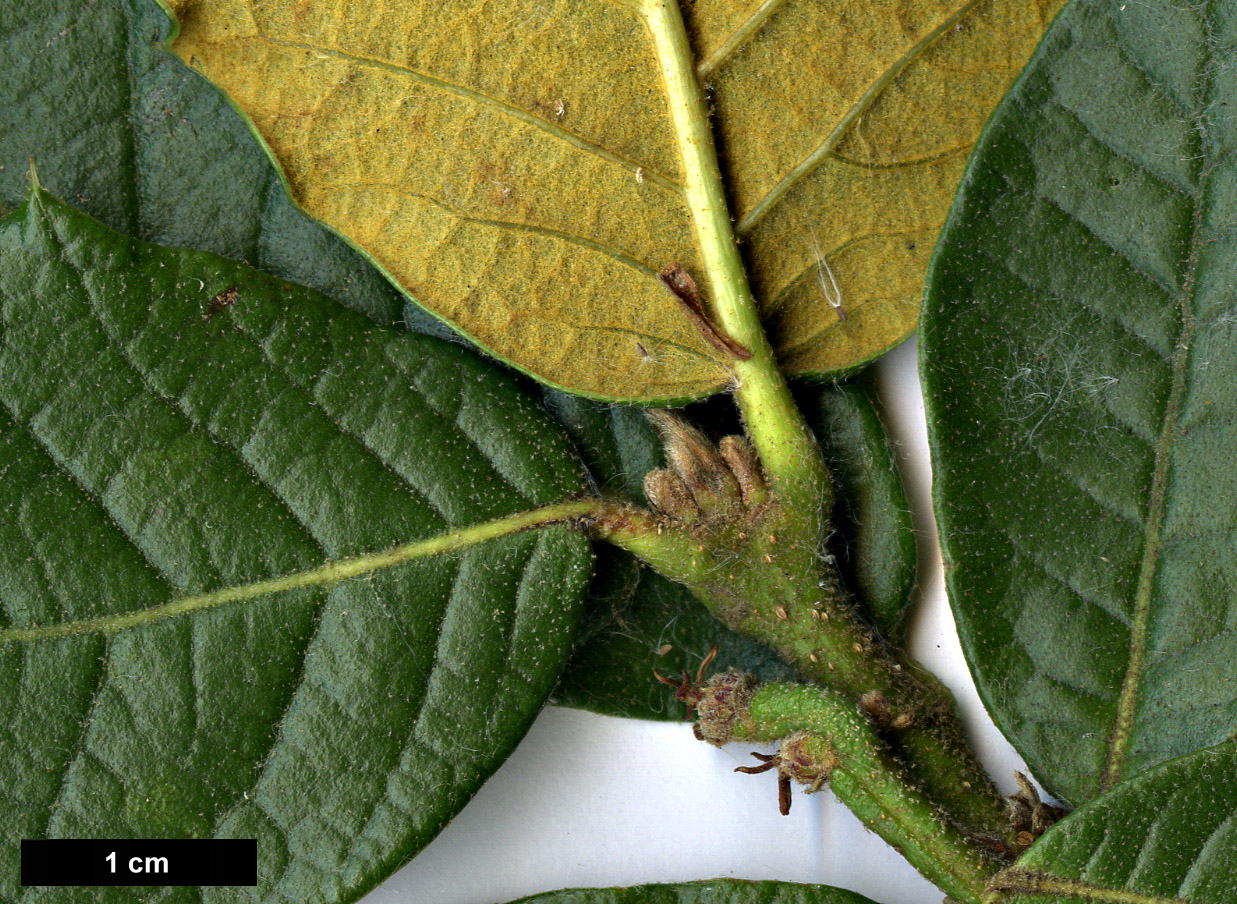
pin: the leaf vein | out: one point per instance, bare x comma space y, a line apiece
810, 268
1023, 881
738, 38
1031, 555
98, 499
809, 164
1161, 90
1103, 142
1099, 314
1119, 741
650, 173
277, 729
620, 257
1123, 254
338, 423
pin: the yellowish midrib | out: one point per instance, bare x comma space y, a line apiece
323, 576
809, 163
1016, 881
1127, 703
523, 116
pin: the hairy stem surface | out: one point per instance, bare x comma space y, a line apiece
824, 736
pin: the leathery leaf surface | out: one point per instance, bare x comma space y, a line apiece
514, 166
1168, 836
174, 424
1081, 379
715, 891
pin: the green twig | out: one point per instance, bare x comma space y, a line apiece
826, 738
787, 448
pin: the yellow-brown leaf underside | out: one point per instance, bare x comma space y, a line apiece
512, 164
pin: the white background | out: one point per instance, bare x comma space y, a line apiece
592, 801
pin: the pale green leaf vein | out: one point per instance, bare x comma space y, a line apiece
1017, 881
324, 576
1120, 739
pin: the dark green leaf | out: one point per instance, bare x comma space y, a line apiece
1080, 366
716, 891
123, 130
1168, 836
638, 621
616, 441
174, 424
874, 540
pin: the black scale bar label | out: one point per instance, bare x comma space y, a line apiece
131, 861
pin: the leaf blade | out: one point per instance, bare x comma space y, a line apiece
156, 445
1092, 474
461, 198
154, 152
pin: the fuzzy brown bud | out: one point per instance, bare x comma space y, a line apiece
1029, 816
695, 459
740, 457
724, 699
807, 758
667, 494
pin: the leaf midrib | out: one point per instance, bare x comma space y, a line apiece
1017, 881
1127, 702
324, 576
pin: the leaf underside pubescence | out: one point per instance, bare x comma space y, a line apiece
1078, 349
156, 446
530, 190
